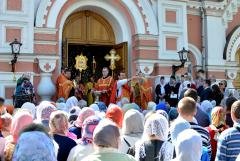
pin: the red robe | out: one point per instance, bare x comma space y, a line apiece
142, 92
105, 84
64, 86
125, 93
145, 93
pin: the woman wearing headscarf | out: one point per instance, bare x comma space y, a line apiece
34, 144
30, 107
215, 129
115, 113
2, 141
20, 120
188, 146
85, 147
72, 101
106, 138
177, 127
44, 110
154, 145
132, 129
6, 124
77, 125
206, 106
59, 128
129, 106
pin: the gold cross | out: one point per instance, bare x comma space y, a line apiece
112, 58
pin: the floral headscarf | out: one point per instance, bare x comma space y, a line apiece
36, 146
44, 110
217, 116
84, 113
88, 128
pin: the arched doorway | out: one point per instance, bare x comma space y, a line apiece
88, 33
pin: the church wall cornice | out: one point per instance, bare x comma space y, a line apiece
225, 9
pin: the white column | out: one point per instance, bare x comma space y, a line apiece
46, 88
216, 39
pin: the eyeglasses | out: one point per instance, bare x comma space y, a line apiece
220, 84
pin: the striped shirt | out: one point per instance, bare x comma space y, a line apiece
228, 147
204, 135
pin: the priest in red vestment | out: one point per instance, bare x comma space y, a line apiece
142, 91
105, 85
120, 89
64, 85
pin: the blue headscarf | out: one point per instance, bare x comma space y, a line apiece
102, 106
36, 146
162, 106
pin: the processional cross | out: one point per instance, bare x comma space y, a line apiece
112, 58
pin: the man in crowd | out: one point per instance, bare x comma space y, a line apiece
228, 147
201, 117
187, 110
105, 86
206, 93
64, 84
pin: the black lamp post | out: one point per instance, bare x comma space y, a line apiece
183, 58
15, 46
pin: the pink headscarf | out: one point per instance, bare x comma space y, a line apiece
84, 113
115, 113
20, 120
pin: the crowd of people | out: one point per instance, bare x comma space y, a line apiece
187, 120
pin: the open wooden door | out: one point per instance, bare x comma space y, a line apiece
65, 53
122, 51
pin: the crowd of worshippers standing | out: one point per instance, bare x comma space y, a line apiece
195, 121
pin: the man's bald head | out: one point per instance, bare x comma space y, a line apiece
235, 111
187, 106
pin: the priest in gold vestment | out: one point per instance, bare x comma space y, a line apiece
142, 91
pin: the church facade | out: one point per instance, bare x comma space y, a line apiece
147, 34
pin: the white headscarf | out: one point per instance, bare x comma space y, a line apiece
151, 106
177, 127
72, 101
62, 106
188, 146
30, 107
94, 106
156, 125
